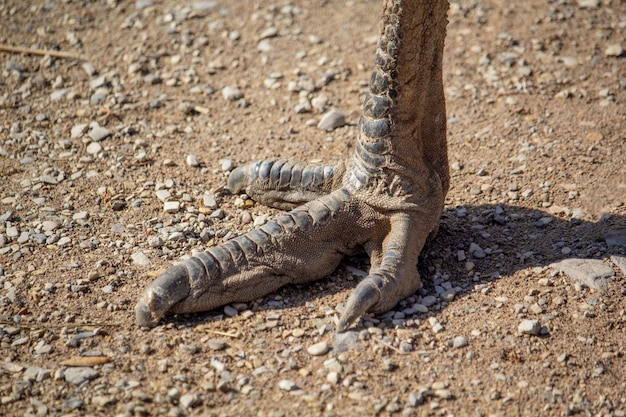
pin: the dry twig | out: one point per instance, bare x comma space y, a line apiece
32, 51
55, 325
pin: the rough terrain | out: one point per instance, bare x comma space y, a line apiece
112, 167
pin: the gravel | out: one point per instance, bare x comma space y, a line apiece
113, 169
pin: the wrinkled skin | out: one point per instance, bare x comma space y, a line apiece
385, 201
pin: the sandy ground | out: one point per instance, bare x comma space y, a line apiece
537, 121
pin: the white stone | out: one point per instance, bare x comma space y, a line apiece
264, 46
49, 225
332, 120
319, 103
269, 33
318, 349
588, 4
171, 206
226, 165
614, 50
59, 94
287, 385
459, 342
532, 327
189, 401
80, 374
140, 259
163, 195
78, 130
332, 377
94, 148
98, 133
231, 93
81, 215
209, 201
192, 161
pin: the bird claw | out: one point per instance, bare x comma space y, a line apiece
169, 288
363, 298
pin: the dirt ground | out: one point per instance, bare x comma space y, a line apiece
536, 95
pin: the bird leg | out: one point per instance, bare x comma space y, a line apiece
385, 201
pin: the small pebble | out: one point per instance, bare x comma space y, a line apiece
417, 398
59, 94
268, 33
98, 133
588, 4
345, 341
171, 206
140, 259
80, 374
429, 300
420, 308
435, 325
318, 349
163, 195
209, 201
189, 401
614, 50
78, 130
226, 165
94, 148
230, 311
459, 342
216, 344
332, 120
73, 403
531, 327
81, 215
287, 385
333, 378
476, 251
444, 394
192, 161
231, 93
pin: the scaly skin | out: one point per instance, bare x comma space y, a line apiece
386, 200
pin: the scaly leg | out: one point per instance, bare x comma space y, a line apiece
284, 185
388, 201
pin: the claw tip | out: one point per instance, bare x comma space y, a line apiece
361, 300
143, 315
